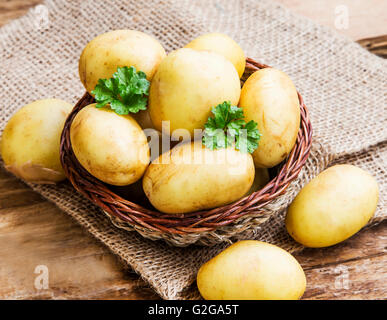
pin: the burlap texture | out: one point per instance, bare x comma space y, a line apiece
343, 85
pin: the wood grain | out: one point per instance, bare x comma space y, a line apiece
12, 9
377, 45
365, 18
35, 232
354, 269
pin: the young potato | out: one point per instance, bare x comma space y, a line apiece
252, 270
155, 138
30, 142
223, 45
333, 206
269, 98
187, 84
143, 119
191, 177
112, 147
104, 54
261, 179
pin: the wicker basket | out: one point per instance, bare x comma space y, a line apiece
205, 227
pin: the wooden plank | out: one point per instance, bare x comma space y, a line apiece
38, 233
82, 268
353, 269
12, 9
365, 18
377, 45
366, 243
359, 279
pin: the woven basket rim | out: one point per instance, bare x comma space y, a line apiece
159, 224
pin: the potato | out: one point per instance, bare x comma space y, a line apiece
191, 177
104, 54
155, 138
269, 98
223, 45
332, 207
111, 147
187, 84
252, 270
143, 119
31, 139
261, 179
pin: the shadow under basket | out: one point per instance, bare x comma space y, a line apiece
205, 227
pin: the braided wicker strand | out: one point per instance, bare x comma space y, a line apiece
181, 230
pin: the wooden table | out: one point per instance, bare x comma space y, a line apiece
35, 232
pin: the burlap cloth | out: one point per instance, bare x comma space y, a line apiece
343, 85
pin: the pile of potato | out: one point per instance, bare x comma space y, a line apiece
184, 87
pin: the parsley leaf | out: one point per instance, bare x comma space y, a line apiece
227, 126
126, 92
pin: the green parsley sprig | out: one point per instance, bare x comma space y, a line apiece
126, 92
227, 126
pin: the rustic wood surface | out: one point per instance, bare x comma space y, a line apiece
35, 232
366, 18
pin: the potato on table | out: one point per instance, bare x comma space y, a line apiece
252, 270
30, 142
333, 206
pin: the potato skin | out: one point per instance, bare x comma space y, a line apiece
143, 119
187, 84
104, 54
30, 141
188, 184
333, 206
270, 98
111, 147
260, 180
223, 45
252, 270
